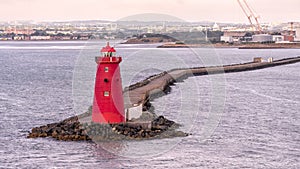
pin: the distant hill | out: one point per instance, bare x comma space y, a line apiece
150, 38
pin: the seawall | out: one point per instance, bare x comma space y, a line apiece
151, 87
79, 127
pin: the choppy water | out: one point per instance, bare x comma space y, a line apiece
238, 120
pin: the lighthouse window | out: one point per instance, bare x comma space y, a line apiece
106, 69
106, 94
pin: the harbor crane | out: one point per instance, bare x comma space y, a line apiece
251, 15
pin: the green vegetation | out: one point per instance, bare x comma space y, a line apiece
179, 37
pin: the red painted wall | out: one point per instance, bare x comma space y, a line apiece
108, 109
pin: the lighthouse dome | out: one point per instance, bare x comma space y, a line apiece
108, 51
108, 48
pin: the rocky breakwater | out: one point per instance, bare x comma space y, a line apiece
67, 130
72, 129
160, 128
76, 129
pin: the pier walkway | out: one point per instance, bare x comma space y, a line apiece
139, 93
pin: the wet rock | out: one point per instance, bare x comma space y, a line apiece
71, 130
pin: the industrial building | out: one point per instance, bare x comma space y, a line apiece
233, 36
262, 38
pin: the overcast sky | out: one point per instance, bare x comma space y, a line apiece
189, 10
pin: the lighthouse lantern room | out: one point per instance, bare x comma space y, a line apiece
108, 104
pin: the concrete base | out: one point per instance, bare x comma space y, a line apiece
134, 112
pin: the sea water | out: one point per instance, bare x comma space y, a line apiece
237, 120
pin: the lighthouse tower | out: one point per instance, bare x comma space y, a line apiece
108, 105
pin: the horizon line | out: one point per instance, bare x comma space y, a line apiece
107, 20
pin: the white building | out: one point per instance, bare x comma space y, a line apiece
227, 39
297, 38
278, 38
134, 112
216, 27
232, 36
40, 38
64, 32
19, 37
51, 32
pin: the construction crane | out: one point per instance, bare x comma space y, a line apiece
249, 12
292, 28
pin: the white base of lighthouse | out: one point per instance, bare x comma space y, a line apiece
134, 112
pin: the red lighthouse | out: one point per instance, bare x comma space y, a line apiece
108, 106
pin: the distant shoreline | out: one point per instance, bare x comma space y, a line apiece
295, 45
44, 40
239, 46
170, 43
